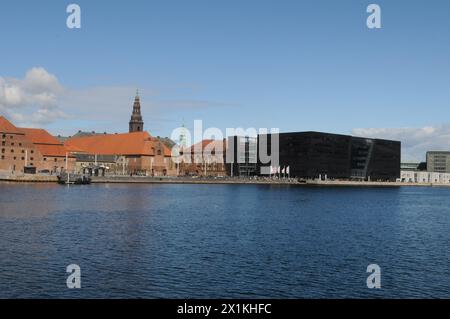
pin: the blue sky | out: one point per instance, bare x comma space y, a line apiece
293, 65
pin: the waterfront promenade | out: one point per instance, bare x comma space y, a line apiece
29, 178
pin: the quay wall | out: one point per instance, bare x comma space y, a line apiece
28, 179
187, 180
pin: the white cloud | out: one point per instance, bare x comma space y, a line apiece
33, 100
415, 141
40, 100
38, 80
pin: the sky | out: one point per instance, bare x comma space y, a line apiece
292, 65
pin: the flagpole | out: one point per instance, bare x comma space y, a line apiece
68, 175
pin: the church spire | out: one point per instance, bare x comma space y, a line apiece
183, 136
136, 122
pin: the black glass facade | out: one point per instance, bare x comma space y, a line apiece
314, 154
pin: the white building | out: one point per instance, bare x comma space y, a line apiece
424, 177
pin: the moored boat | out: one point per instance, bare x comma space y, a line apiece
73, 179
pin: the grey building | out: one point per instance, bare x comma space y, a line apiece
438, 161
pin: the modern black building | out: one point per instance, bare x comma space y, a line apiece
334, 156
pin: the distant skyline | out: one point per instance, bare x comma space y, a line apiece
292, 65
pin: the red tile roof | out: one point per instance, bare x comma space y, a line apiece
166, 149
137, 143
53, 150
74, 149
7, 127
208, 145
40, 136
47, 144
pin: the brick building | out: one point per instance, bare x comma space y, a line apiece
136, 153
52, 154
31, 150
206, 158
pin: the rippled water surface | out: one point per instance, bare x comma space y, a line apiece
212, 241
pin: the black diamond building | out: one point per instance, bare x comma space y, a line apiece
314, 154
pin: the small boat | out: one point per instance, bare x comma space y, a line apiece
73, 179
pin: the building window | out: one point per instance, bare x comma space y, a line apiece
12, 151
31, 159
3, 143
12, 144
3, 157
31, 164
11, 137
20, 144
32, 152
4, 136
23, 158
56, 159
3, 150
15, 158
45, 159
23, 151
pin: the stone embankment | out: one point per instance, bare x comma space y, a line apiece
28, 178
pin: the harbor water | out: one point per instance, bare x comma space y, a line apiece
223, 241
